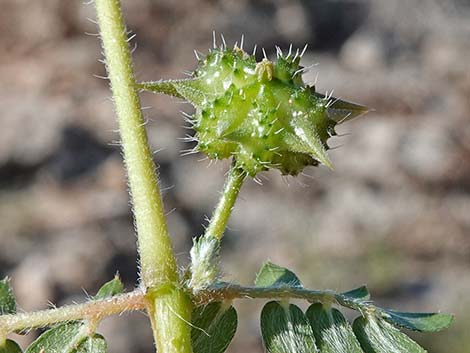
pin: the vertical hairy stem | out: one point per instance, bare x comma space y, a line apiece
173, 304
169, 310
224, 208
157, 260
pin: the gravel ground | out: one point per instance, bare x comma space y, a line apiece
394, 214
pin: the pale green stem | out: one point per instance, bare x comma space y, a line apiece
169, 302
205, 251
93, 310
156, 255
227, 200
157, 261
172, 304
230, 292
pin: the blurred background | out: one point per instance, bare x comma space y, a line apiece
394, 214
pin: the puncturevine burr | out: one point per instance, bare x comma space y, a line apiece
260, 113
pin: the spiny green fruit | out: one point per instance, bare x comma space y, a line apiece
261, 113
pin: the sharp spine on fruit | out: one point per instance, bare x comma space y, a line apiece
214, 41
296, 55
264, 53
224, 43
290, 51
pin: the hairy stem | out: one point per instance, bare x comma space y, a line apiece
169, 301
224, 208
93, 310
156, 255
230, 292
205, 250
157, 261
175, 304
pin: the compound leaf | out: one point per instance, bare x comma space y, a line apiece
285, 329
7, 298
272, 275
423, 322
110, 289
10, 347
213, 327
332, 331
378, 336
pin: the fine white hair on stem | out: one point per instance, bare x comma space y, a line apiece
132, 36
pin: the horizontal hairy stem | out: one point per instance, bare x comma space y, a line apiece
229, 292
94, 310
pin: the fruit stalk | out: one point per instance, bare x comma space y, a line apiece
224, 208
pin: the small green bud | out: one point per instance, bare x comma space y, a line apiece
204, 262
262, 113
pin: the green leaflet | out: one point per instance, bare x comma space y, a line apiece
378, 336
7, 298
285, 329
63, 338
332, 331
423, 322
213, 327
93, 344
8, 306
360, 293
272, 275
68, 338
10, 347
110, 289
